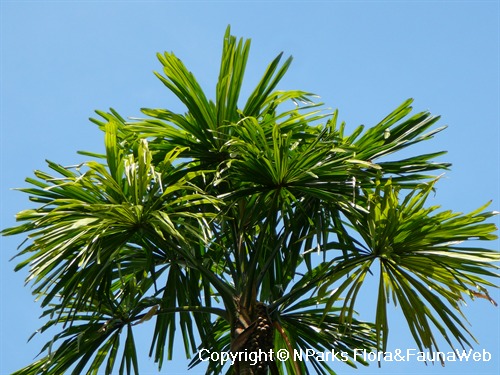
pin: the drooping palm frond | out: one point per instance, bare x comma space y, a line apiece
100, 226
310, 328
95, 330
217, 340
422, 266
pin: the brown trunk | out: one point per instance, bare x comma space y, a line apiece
253, 339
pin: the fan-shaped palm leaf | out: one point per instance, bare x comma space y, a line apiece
422, 266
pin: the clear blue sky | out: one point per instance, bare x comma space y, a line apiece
61, 60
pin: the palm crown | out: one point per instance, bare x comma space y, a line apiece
246, 227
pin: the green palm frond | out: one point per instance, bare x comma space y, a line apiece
395, 133
99, 225
232, 69
307, 324
423, 268
217, 340
95, 335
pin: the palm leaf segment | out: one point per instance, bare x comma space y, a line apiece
221, 210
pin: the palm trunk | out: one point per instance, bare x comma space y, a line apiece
252, 332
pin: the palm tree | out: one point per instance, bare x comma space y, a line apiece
249, 228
